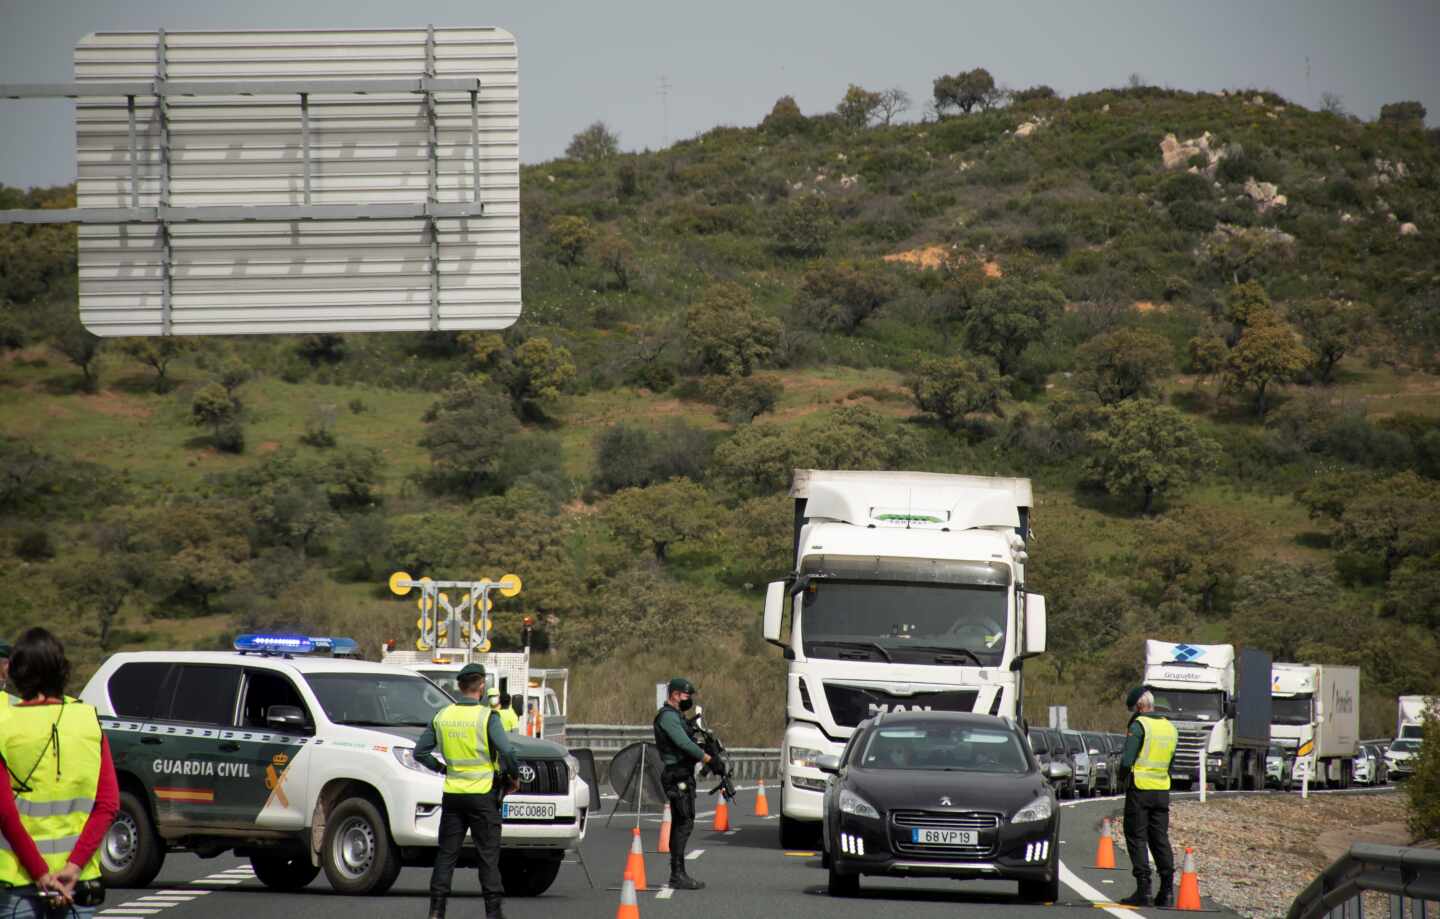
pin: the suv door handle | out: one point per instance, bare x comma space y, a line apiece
229, 746
150, 740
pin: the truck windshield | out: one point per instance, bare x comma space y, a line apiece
1189, 705
905, 622
377, 699
1293, 710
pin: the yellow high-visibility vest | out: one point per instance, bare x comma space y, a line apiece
509, 720
54, 779
1152, 766
465, 744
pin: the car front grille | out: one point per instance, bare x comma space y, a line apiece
940, 820
551, 777
906, 821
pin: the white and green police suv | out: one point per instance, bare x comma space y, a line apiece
302, 763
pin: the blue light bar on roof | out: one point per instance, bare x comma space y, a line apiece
276, 644
340, 647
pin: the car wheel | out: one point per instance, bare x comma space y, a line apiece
797, 834
358, 854
843, 885
1041, 891
284, 872
131, 853
528, 875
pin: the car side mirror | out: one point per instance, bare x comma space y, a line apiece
285, 718
774, 611
1057, 770
828, 763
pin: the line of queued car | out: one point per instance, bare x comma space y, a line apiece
1091, 760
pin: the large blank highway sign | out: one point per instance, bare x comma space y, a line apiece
400, 188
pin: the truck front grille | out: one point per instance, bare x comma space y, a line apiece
1190, 745
850, 705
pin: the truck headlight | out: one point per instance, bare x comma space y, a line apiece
405, 756
804, 756
1039, 809
851, 803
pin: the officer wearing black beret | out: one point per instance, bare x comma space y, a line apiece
680, 754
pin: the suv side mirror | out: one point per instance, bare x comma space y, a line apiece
1034, 625
774, 611
285, 718
827, 763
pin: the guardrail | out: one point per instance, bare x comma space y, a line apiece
746, 763
1410, 876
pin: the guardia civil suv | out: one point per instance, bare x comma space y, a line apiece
302, 764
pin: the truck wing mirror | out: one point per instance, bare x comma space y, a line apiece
774, 611
1034, 625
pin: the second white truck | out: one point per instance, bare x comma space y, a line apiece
1316, 719
908, 595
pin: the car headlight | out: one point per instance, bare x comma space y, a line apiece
804, 756
851, 803
405, 756
1040, 809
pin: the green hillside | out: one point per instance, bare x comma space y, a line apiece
1220, 374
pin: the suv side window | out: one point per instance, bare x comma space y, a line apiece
1072, 743
264, 688
205, 694
142, 690
1038, 744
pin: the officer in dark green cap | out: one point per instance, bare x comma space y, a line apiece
478, 761
1145, 776
680, 754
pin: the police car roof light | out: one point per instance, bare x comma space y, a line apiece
274, 643
340, 647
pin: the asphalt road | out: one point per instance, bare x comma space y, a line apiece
749, 877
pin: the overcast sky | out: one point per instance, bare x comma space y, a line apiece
726, 63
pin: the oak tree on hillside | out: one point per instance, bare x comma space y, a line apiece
1331, 329
955, 388
785, 117
1192, 557
1148, 449
465, 430
839, 296
726, 333
158, 354
1266, 354
568, 237
964, 91
1124, 363
1007, 316
857, 107
655, 518
893, 102
595, 143
78, 344
212, 407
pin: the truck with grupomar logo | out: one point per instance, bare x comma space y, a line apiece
908, 595
303, 763
1316, 720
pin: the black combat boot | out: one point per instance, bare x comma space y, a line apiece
679, 878
437, 908
1141, 896
1165, 896
492, 906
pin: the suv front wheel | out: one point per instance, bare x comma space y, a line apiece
358, 854
131, 853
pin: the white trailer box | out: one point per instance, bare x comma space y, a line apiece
1317, 718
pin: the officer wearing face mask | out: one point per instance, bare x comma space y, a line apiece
680, 754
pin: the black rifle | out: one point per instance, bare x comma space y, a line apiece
706, 740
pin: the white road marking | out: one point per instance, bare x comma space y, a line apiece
124, 911
188, 893
218, 880
665, 893
172, 898
691, 856
1072, 880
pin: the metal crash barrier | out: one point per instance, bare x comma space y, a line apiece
605, 740
1409, 876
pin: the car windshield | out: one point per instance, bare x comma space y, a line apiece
891, 622
445, 679
1095, 742
1073, 744
947, 747
1188, 704
377, 699
1406, 746
1293, 710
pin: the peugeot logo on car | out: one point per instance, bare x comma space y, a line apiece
527, 774
946, 801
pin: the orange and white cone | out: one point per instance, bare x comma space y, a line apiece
629, 905
1189, 884
1105, 851
635, 864
762, 807
722, 816
665, 831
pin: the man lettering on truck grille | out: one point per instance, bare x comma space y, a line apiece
472, 740
679, 753
1145, 776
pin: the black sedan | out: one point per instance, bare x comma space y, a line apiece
941, 794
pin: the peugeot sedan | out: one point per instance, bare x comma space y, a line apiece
940, 794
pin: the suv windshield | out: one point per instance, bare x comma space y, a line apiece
905, 622
1294, 710
947, 748
1188, 704
1406, 746
377, 699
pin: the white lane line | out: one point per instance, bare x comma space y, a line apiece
188, 893
691, 856
124, 911
218, 881
172, 898
1072, 880
241, 870
665, 893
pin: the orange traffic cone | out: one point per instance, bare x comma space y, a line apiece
665, 831
762, 807
722, 816
629, 906
1105, 852
635, 864
1189, 884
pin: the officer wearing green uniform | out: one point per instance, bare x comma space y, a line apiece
508, 718
1145, 773
679, 753
472, 740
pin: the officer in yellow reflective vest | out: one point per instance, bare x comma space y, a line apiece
63, 789
472, 740
508, 718
1145, 772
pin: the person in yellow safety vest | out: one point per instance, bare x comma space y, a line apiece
479, 763
6, 700
1145, 774
508, 718
63, 790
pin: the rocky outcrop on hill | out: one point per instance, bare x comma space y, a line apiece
1177, 153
